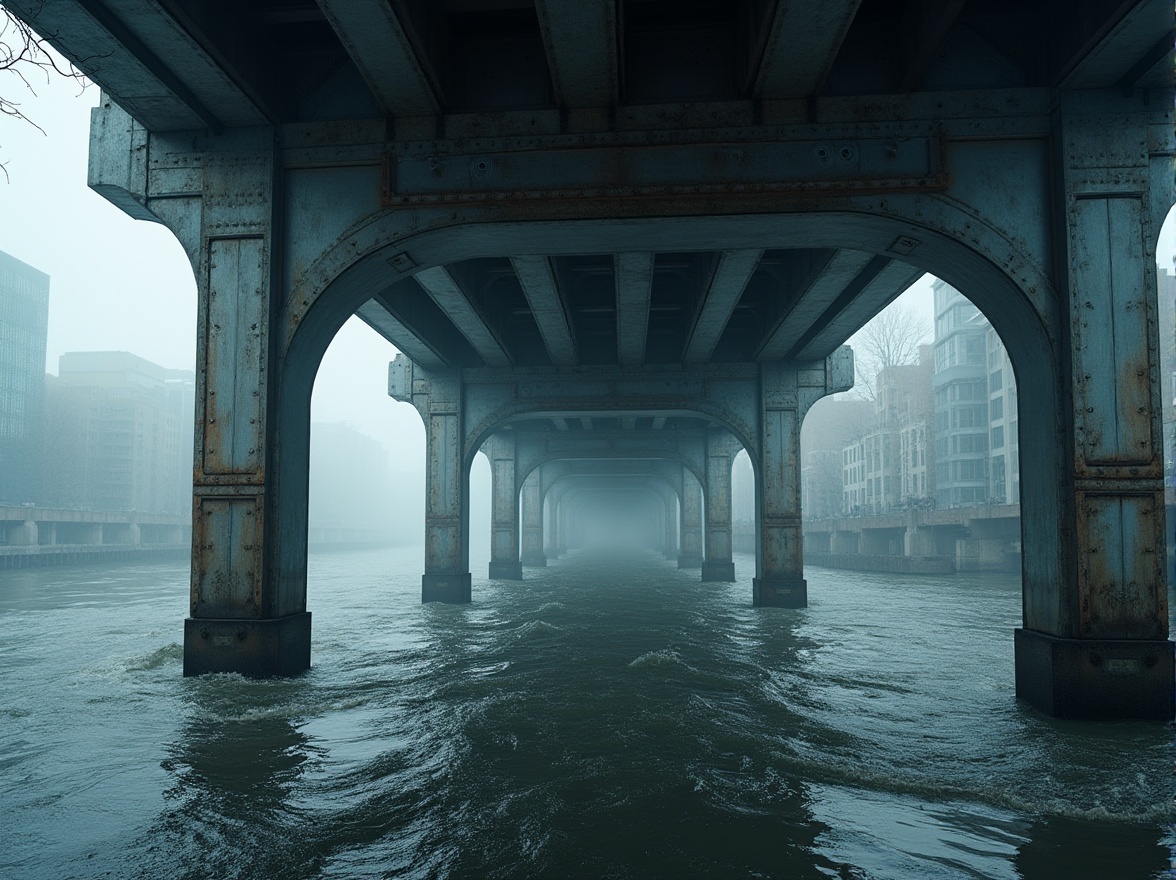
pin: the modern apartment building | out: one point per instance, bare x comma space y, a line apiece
976, 441
960, 385
24, 327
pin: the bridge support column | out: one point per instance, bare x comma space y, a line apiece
550, 527
1095, 636
918, 541
248, 596
670, 542
504, 508
721, 448
447, 501
779, 580
691, 554
437, 396
532, 503
786, 393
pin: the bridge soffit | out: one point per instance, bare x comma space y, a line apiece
677, 449
669, 470
654, 484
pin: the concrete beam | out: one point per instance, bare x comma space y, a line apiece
814, 298
382, 47
802, 42
927, 23
451, 299
548, 307
133, 48
634, 280
849, 313
581, 44
387, 325
722, 295
1121, 43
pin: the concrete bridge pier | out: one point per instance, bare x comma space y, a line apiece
550, 528
437, 396
919, 541
721, 449
786, 393
671, 548
504, 508
1095, 637
532, 504
691, 551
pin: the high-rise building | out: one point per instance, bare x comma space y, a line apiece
1004, 460
976, 444
24, 327
119, 434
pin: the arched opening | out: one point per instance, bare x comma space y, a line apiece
437, 248
1166, 323
917, 469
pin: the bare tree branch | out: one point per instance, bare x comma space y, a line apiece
25, 58
891, 339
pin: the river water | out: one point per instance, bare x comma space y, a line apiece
608, 717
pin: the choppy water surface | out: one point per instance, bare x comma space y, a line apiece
609, 717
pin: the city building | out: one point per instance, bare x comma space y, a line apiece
1004, 461
889, 466
831, 425
118, 434
24, 327
961, 395
976, 437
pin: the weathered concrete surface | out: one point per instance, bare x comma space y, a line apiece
258, 648
504, 507
1095, 678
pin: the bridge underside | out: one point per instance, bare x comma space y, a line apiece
565, 213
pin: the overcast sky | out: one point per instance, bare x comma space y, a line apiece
119, 283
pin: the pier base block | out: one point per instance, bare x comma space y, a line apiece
534, 561
506, 570
451, 588
779, 592
686, 561
1095, 678
254, 648
718, 571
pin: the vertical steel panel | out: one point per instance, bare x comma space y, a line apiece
1119, 538
1112, 359
235, 359
227, 566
